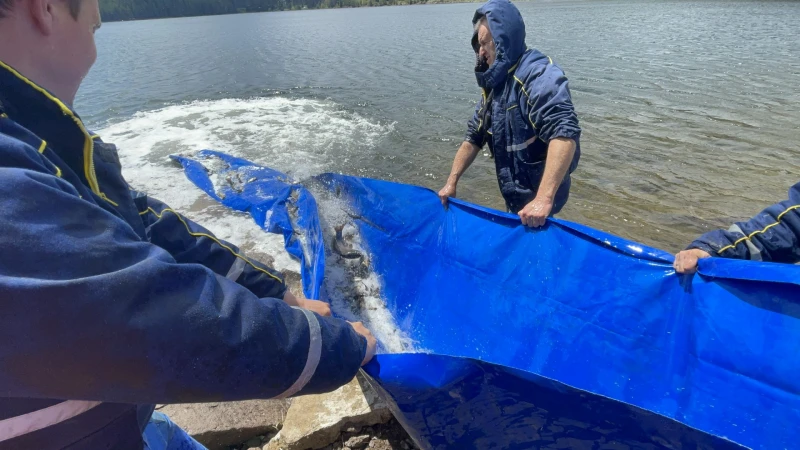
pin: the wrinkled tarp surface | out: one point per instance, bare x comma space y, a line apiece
565, 337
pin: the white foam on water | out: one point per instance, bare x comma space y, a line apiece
240, 229
291, 135
295, 136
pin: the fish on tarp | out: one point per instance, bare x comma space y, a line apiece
342, 247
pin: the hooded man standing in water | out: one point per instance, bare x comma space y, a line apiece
525, 115
110, 301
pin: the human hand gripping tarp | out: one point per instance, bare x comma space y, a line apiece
564, 337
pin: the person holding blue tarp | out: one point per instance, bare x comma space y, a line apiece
110, 301
525, 116
773, 235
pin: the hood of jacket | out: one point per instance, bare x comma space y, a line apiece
508, 32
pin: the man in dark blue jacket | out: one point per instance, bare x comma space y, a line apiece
525, 115
772, 235
110, 301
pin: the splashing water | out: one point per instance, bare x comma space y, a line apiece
350, 285
295, 136
263, 130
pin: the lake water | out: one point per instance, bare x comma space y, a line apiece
690, 109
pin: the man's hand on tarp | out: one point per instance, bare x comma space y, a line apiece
686, 261
535, 213
372, 344
449, 190
321, 308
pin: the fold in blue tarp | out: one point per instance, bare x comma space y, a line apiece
564, 337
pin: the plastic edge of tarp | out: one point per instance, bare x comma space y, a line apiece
719, 268
619, 244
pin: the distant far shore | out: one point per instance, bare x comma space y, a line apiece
130, 10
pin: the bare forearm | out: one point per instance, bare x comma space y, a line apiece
559, 157
464, 158
291, 300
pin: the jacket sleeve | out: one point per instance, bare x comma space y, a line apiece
91, 312
189, 242
549, 106
476, 134
772, 235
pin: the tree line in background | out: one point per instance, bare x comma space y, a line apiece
114, 10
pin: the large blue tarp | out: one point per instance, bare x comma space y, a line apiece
564, 337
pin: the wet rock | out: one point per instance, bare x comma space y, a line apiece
315, 421
254, 442
220, 425
357, 442
384, 436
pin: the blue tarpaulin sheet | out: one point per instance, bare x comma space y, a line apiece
563, 337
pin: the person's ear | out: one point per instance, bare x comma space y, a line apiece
43, 14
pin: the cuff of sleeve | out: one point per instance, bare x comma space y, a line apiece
700, 245
472, 140
281, 291
562, 132
363, 341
